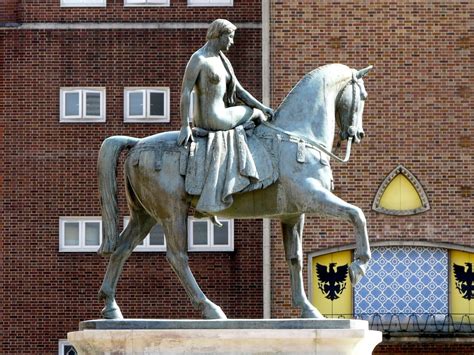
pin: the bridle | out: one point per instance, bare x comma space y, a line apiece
352, 129
318, 146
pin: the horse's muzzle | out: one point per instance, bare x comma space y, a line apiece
358, 135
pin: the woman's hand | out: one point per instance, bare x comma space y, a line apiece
185, 135
268, 112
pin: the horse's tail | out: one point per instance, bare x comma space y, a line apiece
107, 166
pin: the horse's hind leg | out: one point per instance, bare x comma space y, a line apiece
176, 253
292, 239
137, 229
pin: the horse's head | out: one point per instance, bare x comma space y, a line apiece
350, 106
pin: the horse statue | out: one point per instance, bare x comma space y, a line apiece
306, 119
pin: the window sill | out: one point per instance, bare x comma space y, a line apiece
83, 5
78, 250
82, 120
146, 120
149, 250
146, 5
207, 249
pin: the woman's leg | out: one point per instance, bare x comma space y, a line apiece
235, 116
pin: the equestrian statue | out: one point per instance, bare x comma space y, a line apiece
240, 160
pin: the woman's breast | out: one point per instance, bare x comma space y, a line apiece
217, 75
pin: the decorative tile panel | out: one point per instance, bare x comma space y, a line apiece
404, 280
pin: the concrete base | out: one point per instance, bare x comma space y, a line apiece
295, 336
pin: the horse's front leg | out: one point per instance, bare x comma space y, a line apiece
324, 202
292, 239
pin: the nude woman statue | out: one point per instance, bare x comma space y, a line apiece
210, 74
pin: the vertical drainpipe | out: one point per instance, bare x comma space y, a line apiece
267, 270
266, 101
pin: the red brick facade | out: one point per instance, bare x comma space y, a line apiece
418, 114
49, 169
9, 11
425, 348
178, 11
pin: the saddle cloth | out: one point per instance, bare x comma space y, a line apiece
222, 163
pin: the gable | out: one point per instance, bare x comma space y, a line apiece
400, 194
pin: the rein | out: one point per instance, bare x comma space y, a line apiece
313, 144
318, 146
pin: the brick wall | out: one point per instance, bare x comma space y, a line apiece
49, 170
426, 348
9, 11
178, 11
417, 114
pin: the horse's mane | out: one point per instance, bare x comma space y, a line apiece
315, 82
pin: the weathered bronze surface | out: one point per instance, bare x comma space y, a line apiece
212, 77
301, 136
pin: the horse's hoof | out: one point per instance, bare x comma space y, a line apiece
215, 221
312, 313
356, 272
213, 312
112, 313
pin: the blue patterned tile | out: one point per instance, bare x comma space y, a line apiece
400, 280
413, 280
404, 280
413, 292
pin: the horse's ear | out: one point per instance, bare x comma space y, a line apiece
363, 72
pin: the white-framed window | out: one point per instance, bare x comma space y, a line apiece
130, 3
83, 3
66, 348
77, 234
81, 105
203, 235
210, 2
147, 104
154, 241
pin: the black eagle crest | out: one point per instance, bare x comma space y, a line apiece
464, 280
331, 280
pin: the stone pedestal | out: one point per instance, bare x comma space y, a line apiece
283, 336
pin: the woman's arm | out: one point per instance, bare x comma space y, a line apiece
251, 101
190, 77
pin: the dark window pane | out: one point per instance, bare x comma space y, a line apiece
157, 236
92, 233
92, 104
157, 104
200, 233
221, 234
69, 350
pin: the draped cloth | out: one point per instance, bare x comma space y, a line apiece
225, 163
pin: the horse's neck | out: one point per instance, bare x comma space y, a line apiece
309, 111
